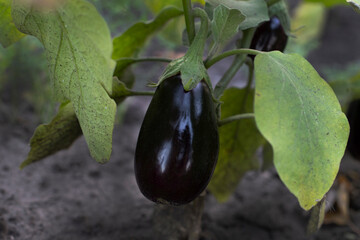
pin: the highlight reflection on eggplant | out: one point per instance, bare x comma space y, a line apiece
178, 143
269, 36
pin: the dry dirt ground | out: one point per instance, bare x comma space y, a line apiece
70, 197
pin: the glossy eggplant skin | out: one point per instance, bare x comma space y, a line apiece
178, 143
353, 115
269, 36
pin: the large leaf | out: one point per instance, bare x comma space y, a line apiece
133, 39
255, 11
64, 128
78, 47
225, 24
8, 32
328, 3
238, 142
299, 114
308, 24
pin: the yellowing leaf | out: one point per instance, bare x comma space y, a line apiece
299, 114
59, 134
78, 47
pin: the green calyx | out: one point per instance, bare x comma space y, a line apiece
191, 65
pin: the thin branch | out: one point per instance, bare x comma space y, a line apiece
146, 59
220, 57
235, 118
189, 20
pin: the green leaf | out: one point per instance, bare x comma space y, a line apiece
64, 128
120, 90
225, 24
328, 3
192, 69
299, 114
308, 24
172, 69
255, 11
133, 39
59, 134
78, 47
8, 32
355, 4
239, 141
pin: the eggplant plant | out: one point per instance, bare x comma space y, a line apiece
195, 136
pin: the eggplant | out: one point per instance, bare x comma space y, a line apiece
353, 115
269, 36
178, 143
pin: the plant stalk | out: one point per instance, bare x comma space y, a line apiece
189, 20
250, 64
236, 65
242, 51
235, 118
147, 59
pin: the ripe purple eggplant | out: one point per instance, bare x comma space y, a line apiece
178, 143
353, 115
269, 36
